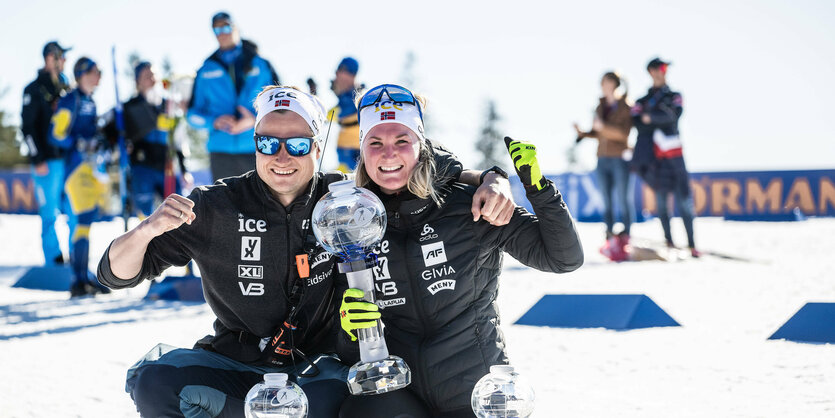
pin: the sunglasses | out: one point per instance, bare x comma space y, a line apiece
394, 92
222, 30
295, 146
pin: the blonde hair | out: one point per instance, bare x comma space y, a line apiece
421, 180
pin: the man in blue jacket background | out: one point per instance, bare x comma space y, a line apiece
222, 101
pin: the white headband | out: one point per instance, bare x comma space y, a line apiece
283, 98
390, 112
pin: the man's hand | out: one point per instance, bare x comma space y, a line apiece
524, 159
355, 313
224, 123
493, 201
646, 119
41, 169
174, 211
127, 252
245, 123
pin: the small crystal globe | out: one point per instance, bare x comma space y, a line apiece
275, 397
502, 394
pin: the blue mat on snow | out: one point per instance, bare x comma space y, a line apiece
813, 323
182, 288
618, 312
46, 278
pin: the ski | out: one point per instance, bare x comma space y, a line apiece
124, 165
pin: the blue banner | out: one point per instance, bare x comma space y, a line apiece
740, 195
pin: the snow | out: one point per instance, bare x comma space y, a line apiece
61, 357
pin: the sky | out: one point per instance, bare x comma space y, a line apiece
756, 76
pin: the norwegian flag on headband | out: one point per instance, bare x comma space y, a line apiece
282, 103
387, 116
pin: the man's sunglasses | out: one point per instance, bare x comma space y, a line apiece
296, 146
221, 30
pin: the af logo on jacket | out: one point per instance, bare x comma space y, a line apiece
434, 254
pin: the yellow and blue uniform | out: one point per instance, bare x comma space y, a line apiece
348, 143
73, 128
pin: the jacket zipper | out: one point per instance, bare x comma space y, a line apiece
290, 260
421, 315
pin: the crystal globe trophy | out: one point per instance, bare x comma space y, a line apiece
502, 394
275, 397
349, 222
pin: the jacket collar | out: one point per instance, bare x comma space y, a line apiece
303, 200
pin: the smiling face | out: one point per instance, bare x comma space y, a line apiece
286, 176
390, 152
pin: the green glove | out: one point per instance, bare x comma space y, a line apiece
356, 313
524, 159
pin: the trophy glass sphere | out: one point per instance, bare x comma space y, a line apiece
349, 222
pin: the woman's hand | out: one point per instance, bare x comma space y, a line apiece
525, 162
355, 313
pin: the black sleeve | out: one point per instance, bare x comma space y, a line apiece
667, 112
109, 130
547, 241
447, 164
33, 106
173, 248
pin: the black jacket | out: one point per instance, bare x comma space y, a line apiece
40, 98
664, 107
245, 242
140, 118
437, 282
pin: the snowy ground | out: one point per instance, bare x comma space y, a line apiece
68, 358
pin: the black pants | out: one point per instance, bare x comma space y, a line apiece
398, 404
200, 383
229, 165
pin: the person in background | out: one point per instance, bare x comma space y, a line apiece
658, 156
222, 100
74, 129
345, 88
40, 99
147, 130
611, 126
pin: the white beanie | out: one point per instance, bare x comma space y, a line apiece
284, 98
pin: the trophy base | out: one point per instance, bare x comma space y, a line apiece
381, 376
